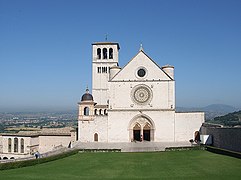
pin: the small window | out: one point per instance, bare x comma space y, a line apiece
110, 53
96, 137
99, 53
104, 69
86, 111
100, 112
95, 111
104, 53
99, 69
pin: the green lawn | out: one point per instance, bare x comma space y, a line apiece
196, 164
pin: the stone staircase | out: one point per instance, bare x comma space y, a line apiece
129, 146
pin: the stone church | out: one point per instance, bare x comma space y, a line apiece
133, 103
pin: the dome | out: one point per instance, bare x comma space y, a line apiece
87, 96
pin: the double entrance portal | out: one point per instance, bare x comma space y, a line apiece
138, 137
140, 134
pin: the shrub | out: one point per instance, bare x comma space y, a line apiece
25, 163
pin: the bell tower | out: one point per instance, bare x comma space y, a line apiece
104, 56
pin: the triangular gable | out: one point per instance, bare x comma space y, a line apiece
129, 71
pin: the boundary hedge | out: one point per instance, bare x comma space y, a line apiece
185, 148
19, 164
99, 150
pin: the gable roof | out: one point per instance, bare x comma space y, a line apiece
152, 61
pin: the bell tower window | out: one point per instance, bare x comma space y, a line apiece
99, 53
86, 111
110, 53
104, 53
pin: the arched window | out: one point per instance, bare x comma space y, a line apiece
104, 53
96, 137
9, 144
22, 145
95, 111
105, 112
99, 53
100, 112
86, 111
110, 53
15, 147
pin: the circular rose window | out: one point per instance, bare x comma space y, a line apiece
141, 94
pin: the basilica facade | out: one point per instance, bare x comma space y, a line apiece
133, 103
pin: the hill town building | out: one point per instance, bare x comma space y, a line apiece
25, 143
133, 103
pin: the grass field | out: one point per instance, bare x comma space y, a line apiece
196, 164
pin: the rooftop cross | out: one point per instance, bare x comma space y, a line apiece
141, 48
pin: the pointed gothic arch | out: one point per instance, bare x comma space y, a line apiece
141, 127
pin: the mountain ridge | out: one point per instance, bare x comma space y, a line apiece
211, 111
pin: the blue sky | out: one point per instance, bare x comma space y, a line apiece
45, 47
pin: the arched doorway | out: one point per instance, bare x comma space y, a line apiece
197, 137
137, 132
141, 128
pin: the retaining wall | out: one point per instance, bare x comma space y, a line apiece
225, 138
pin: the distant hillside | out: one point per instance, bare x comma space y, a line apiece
231, 119
222, 108
211, 111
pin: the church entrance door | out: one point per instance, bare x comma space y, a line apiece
137, 132
137, 135
146, 135
147, 132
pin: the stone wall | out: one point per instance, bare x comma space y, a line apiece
225, 138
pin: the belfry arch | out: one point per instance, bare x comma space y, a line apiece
141, 128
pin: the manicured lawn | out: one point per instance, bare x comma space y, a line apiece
196, 164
